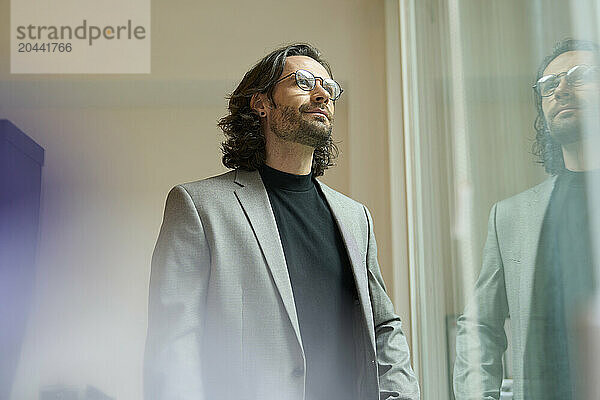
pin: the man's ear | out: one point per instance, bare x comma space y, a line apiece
259, 103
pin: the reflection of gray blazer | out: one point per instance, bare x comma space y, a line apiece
504, 288
222, 319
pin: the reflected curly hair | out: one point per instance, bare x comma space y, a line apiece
244, 144
547, 150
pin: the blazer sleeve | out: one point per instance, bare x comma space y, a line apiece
397, 379
481, 339
178, 286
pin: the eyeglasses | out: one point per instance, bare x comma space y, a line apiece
576, 76
307, 81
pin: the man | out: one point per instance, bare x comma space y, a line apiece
537, 262
265, 282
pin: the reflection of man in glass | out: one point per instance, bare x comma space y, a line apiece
537, 266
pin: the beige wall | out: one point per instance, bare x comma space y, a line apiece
116, 144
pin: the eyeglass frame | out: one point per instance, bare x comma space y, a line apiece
538, 91
316, 78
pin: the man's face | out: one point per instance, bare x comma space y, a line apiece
300, 116
571, 110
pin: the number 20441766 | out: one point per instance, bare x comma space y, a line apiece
49, 47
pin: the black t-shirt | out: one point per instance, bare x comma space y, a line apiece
563, 281
322, 282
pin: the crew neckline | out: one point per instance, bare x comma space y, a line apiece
274, 178
580, 178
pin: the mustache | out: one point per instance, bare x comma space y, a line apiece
307, 107
559, 108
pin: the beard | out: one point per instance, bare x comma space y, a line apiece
574, 128
566, 131
288, 124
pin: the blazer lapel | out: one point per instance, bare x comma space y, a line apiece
357, 257
531, 221
254, 200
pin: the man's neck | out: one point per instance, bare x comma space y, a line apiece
581, 155
293, 158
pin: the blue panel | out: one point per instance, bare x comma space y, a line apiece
21, 162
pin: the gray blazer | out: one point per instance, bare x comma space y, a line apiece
222, 321
503, 289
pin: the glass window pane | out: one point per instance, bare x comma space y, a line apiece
503, 175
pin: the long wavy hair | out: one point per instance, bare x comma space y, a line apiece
244, 144
547, 150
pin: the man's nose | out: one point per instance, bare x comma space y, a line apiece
319, 94
563, 90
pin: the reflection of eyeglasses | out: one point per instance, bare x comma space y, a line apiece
576, 76
307, 81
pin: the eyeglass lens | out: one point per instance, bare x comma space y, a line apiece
307, 81
576, 76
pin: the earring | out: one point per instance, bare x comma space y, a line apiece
262, 113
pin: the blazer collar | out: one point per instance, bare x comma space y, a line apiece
529, 232
345, 220
254, 200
